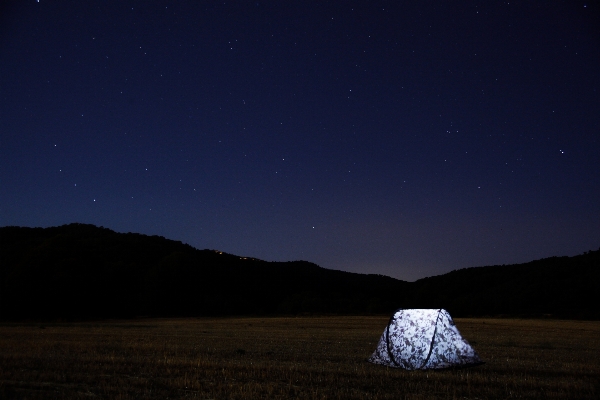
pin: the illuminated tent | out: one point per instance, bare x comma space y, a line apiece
423, 339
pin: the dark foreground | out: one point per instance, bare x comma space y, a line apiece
303, 358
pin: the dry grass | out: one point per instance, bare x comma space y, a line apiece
277, 358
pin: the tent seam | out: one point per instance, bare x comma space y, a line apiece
390, 353
432, 340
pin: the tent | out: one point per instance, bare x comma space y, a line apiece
423, 339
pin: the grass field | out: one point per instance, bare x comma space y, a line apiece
280, 358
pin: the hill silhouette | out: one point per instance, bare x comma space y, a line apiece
82, 271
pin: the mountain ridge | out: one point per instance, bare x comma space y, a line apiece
84, 271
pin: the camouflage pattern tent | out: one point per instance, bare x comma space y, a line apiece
423, 339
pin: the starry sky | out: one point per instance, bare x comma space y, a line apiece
399, 138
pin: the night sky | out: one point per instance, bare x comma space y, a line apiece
404, 138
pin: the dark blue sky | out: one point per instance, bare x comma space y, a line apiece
379, 137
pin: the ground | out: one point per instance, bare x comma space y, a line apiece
280, 358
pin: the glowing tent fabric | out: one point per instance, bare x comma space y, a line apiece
423, 339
